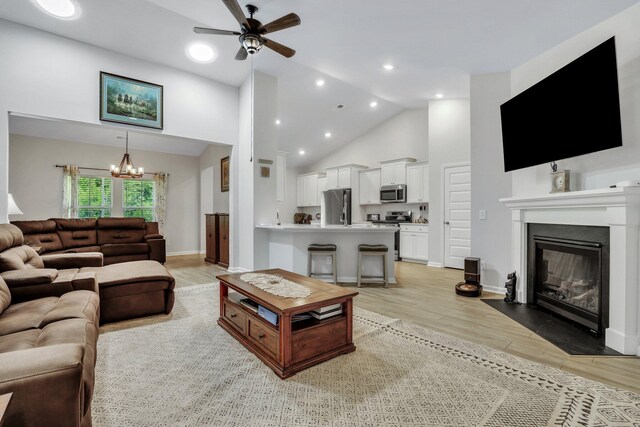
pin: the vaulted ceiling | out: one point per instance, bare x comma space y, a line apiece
434, 45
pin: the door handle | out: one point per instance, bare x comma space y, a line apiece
446, 222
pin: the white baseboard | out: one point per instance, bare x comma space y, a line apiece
184, 253
415, 261
434, 264
495, 289
355, 280
237, 270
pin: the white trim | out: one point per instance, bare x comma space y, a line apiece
494, 289
435, 264
355, 280
442, 207
183, 253
237, 270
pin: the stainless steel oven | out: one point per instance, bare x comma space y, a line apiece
393, 193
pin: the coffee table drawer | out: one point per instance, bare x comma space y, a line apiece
264, 336
235, 315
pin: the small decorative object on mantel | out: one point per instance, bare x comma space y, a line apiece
510, 284
560, 180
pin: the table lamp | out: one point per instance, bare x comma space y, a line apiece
13, 208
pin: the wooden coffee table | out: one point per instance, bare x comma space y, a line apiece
289, 347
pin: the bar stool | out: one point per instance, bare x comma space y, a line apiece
324, 250
373, 250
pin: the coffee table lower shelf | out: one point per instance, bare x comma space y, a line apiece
289, 347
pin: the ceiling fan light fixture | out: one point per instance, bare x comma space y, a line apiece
251, 42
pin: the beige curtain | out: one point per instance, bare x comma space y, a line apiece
160, 209
70, 191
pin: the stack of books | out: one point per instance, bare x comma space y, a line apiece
327, 312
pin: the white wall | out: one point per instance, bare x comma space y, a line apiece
596, 170
490, 238
288, 207
212, 199
449, 143
36, 184
40, 70
404, 135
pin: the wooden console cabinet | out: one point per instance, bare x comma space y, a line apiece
217, 239
289, 347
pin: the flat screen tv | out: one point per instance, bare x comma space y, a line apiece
574, 111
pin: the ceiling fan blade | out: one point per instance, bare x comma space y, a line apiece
279, 48
237, 12
203, 30
287, 21
242, 54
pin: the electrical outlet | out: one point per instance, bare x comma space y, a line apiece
483, 214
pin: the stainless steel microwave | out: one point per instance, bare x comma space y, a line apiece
393, 193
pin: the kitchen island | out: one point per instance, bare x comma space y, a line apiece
288, 245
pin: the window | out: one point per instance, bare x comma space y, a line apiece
94, 197
138, 197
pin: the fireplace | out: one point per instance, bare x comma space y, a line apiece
568, 272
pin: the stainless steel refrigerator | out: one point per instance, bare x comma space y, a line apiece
336, 207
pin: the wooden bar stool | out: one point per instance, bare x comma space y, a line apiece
324, 250
373, 250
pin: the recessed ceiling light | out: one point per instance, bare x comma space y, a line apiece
201, 52
319, 82
439, 95
373, 104
61, 9
278, 121
327, 135
388, 67
301, 152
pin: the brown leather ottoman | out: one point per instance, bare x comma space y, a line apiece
133, 289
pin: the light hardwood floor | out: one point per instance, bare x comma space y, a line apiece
425, 296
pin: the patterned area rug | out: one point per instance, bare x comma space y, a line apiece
184, 370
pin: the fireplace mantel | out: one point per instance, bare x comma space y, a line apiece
616, 208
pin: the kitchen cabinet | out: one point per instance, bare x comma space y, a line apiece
414, 243
217, 239
393, 172
343, 177
322, 184
307, 191
370, 187
418, 183
281, 177
332, 179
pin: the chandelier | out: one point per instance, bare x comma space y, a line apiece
126, 168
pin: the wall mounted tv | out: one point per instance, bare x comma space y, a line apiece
574, 111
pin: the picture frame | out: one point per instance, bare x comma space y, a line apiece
130, 101
224, 174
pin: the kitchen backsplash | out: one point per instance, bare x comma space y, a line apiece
373, 209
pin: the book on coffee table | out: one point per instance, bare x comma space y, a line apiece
326, 314
327, 308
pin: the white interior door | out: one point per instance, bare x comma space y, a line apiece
457, 215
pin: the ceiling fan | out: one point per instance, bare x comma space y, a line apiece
252, 31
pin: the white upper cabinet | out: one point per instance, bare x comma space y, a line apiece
370, 187
393, 172
332, 179
418, 183
344, 177
308, 189
322, 185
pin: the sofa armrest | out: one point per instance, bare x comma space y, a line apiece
36, 276
153, 236
74, 260
49, 385
157, 250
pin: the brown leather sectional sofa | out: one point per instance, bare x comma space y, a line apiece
118, 239
51, 306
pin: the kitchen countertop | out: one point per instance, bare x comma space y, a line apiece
415, 223
367, 228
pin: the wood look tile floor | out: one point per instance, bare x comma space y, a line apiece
425, 296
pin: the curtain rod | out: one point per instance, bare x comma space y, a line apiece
102, 169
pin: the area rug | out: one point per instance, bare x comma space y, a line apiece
185, 370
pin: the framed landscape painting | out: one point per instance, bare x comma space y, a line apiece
130, 101
224, 174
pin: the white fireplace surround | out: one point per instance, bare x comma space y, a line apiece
616, 208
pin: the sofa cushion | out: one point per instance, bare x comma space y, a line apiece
130, 272
124, 249
79, 250
110, 236
20, 258
78, 238
5, 295
72, 224
121, 223
41, 234
42, 312
10, 236
33, 276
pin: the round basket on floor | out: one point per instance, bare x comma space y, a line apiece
468, 289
